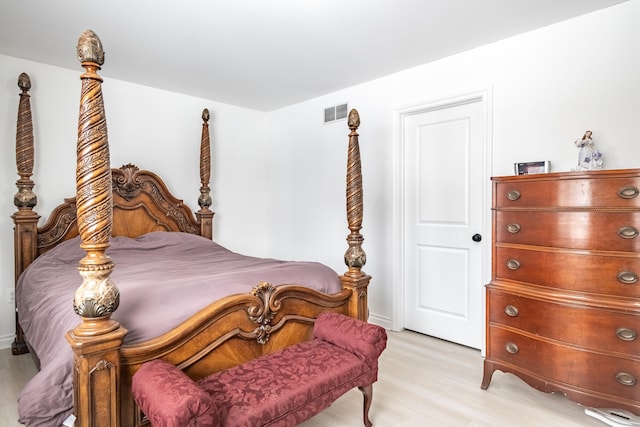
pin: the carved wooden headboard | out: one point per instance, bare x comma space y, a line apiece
141, 204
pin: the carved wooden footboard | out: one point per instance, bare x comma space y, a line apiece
131, 202
230, 332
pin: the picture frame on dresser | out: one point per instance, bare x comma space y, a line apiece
528, 168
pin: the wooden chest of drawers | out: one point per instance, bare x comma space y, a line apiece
563, 305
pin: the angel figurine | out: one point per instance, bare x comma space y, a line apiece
588, 156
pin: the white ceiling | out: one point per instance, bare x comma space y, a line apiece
266, 54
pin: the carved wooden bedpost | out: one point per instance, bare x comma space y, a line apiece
205, 215
97, 340
355, 257
25, 219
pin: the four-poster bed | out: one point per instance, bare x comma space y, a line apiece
131, 205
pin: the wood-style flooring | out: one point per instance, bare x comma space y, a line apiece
423, 382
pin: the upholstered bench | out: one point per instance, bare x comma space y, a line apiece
283, 388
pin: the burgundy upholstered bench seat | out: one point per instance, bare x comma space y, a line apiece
283, 388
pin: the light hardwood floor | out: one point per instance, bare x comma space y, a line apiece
422, 382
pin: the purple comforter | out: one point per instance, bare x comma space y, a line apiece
163, 278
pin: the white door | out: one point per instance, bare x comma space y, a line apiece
443, 221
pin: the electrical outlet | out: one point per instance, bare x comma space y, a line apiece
11, 296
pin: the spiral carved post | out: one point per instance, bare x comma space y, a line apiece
97, 340
355, 257
25, 219
205, 215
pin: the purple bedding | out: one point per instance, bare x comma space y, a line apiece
163, 278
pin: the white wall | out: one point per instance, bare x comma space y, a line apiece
547, 88
150, 128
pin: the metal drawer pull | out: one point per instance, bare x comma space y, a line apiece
626, 379
513, 264
513, 349
628, 192
628, 232
627, 277
513, 195
513, 228
511, 311
626, 334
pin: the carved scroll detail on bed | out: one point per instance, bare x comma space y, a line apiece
263, 313
269, 306
134, 186
61, 226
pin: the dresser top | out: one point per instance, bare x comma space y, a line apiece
592, 174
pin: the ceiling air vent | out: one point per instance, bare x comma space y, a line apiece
338, 112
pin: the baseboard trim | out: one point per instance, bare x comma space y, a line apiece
6, 341
383, 321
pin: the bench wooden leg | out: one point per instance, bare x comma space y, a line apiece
367, 392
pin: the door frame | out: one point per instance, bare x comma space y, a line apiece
485, 97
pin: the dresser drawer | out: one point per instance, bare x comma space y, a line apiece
581, 192
583, 272
598, 329
611, 231
602, 374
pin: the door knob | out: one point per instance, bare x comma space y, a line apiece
476, 237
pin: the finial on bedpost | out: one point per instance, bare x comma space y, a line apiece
25, 198
97, 340
205, 215
355, 257
25, 219
90, 50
